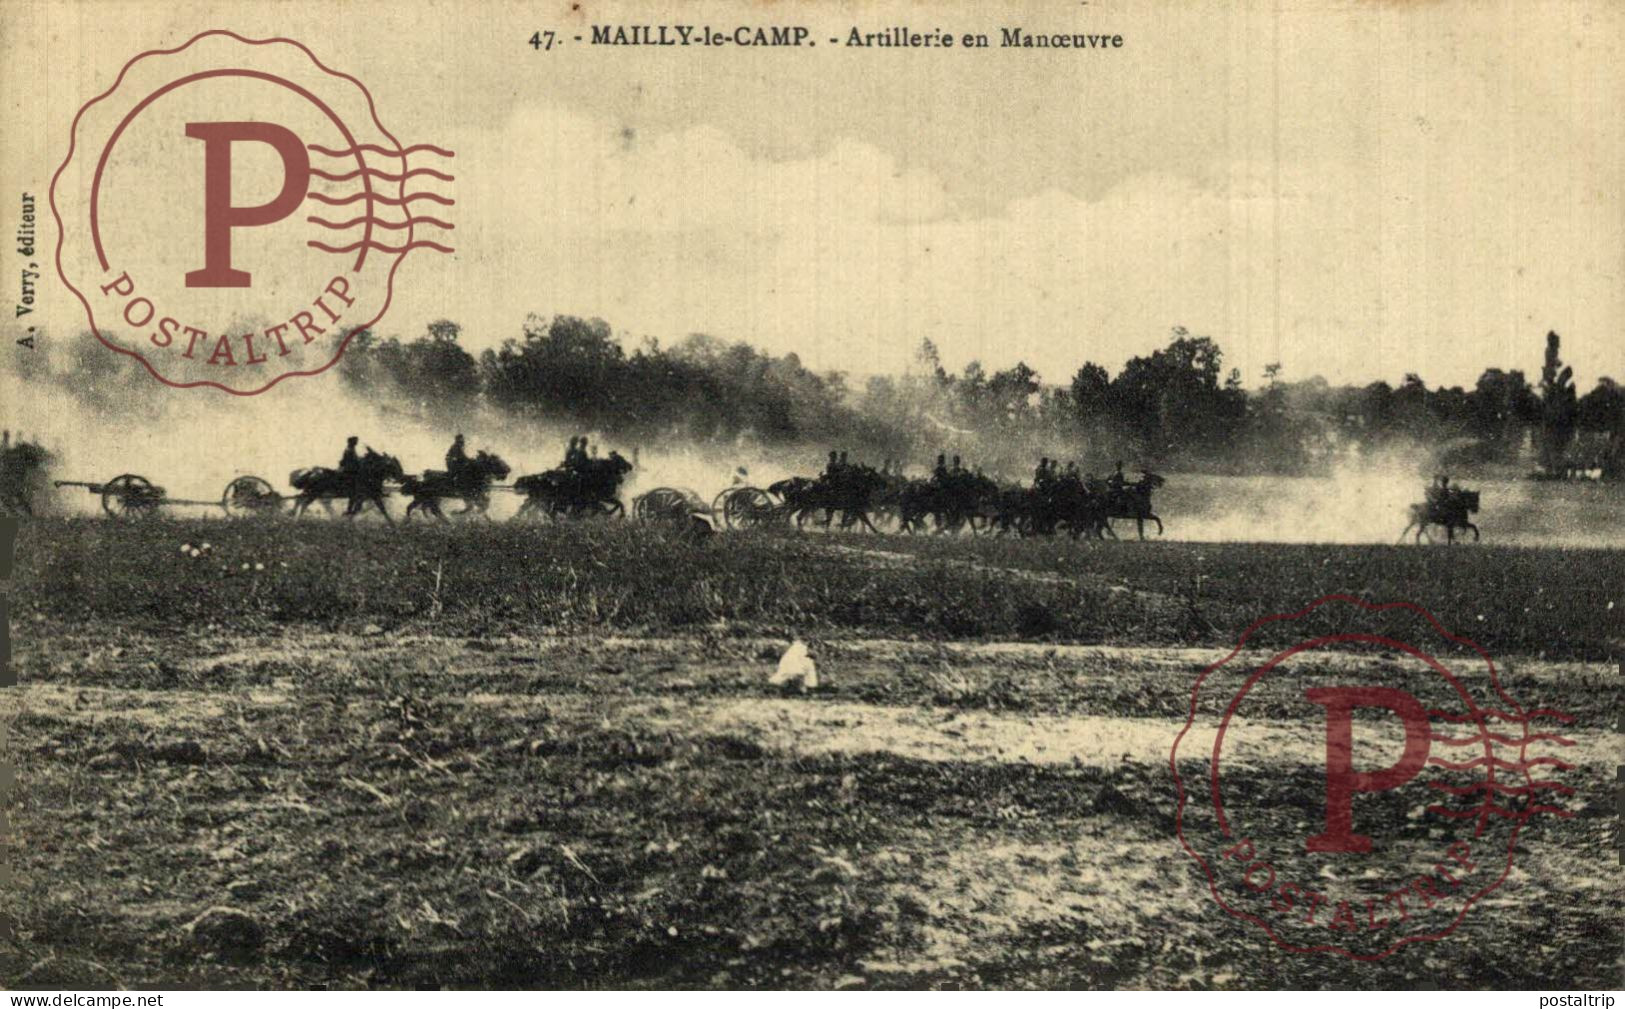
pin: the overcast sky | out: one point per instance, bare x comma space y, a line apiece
1355, 190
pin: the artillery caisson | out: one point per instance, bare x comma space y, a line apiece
251, 497
133, 496
746, 507
671, 504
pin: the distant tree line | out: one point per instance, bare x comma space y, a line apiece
1176, 407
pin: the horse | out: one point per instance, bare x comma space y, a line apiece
793, 495
1068, 503
585, 487
22, 472
953, 502
1133, 501
1450, 511
852, 491
366, 484
471, 484
887, 503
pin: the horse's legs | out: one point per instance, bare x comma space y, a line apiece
1475, 531
1153, 517
1139, 526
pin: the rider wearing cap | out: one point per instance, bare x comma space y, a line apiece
456, 458
350, 461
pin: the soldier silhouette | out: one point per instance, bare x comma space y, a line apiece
350, 461
456, 458
1438, 494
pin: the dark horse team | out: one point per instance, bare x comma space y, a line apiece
955, 498
582, 484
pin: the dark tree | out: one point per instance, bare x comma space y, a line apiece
1559, 408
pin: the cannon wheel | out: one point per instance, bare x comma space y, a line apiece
249, 496
656, 503
744, 507
667, 503
129, 496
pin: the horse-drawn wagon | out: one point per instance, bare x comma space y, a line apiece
133, 496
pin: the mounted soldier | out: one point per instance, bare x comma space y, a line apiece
350, 461
456, 459
1447, 506
1438, 492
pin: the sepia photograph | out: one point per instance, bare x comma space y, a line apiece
819, 495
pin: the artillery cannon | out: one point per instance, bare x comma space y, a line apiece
130, 495
745, 507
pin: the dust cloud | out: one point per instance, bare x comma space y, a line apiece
101, 416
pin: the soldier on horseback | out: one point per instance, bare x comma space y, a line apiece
1438, 493
1444, 505
456, 458
939, 473
350, 460
350, 468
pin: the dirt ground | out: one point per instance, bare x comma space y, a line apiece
303, 807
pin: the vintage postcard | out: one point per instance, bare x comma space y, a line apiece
813, 495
